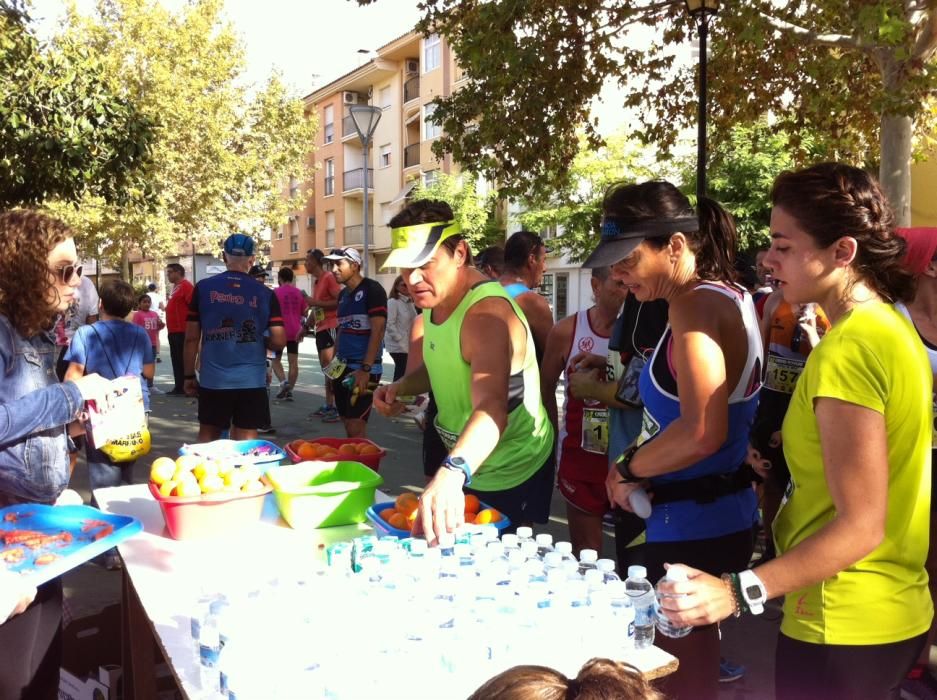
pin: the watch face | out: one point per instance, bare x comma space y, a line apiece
457, 461
753, 593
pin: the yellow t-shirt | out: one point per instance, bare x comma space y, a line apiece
871, 358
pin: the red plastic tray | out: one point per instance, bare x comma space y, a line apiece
373, 461
197, 517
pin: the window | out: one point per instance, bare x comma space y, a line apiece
328, 121
548, 232
280, 233
429, 177
385, 156
294, 245
432, 52
555, 289
329, 229
384, 99
430, 130
329, 177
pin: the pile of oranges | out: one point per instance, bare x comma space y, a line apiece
402, 514
309, 451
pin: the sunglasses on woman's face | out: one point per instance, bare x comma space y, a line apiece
66, 272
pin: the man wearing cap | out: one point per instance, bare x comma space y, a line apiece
228, 316
525, 261
362, 316
480, 361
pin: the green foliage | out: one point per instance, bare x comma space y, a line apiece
219, 157
66, 129
475, 212
576, 207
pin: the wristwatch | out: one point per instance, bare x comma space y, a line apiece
623, 465
753, 591
457, 464
365, 367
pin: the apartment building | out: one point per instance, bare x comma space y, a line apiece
403, 78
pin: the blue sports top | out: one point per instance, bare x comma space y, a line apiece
234, 310
356, 308
516, 289
688, 520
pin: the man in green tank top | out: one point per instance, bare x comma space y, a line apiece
480, 362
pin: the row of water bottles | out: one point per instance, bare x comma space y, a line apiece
455, 615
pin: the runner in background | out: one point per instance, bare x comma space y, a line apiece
583, 436
149, 321
400, 315
293, 308
525, 261
921, 260
322, 321
490, 262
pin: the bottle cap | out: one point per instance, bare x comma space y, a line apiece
524, 532
636, 571
563, 547
605, 565
418, 547
446, 539
676, 573
553, 559
509, 540
589, 556
545, 539
529, 549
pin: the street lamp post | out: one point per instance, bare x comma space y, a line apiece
365, 118
701, 11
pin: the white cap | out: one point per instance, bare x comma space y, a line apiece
553, 559
589, 556
489, 533
446, 539
495, 546
529, 549
544, 539
637, 571
418, 546
525, 532
676, 573
605, 565
509, 540
570, 565
563, 547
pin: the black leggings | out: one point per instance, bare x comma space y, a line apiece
31, 645
804, 671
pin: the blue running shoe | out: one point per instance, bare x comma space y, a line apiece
730, 672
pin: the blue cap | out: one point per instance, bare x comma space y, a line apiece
239, 244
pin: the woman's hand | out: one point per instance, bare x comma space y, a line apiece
701, 600
442, 506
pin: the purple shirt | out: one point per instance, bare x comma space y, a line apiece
292, 305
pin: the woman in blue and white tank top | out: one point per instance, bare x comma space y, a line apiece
700, 391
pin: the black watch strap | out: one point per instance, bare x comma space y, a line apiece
623, 465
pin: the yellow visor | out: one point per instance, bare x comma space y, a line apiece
413, 246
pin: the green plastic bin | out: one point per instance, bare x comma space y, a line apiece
324, 494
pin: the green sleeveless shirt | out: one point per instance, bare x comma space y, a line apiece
527, 440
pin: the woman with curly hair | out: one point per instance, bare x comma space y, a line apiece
39, 272
598, 679
852, 533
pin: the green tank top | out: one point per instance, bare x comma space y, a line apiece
527, 440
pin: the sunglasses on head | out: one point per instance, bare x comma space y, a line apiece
65, 272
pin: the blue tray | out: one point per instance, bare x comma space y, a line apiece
239, 452
382, 527
84, 532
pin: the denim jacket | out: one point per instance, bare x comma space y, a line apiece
34, 413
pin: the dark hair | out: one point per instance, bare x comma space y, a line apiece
430, 211
151, 286
394, 293
285, 275
117, 297
601, 273
176, 267
746, 273
598, 679
519, 247
714, 244
492, 257
142, 297
832, 200
316, 254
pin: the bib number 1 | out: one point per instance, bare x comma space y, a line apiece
595, 430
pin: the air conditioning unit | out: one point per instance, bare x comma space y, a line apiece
350, 98
412, 66
310, 222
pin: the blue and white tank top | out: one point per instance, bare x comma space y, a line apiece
688, 520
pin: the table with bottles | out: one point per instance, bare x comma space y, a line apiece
340, 613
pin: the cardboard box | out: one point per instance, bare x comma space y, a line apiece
71, 687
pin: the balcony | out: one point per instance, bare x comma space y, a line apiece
354, 235
353, 181
411, 155
349, 132
411, 89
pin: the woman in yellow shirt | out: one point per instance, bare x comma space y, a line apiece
852, 533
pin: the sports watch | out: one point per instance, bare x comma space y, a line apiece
457, 464
753, 591
365, 367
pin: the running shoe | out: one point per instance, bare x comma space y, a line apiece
267, 430
730, 672
156, 390
321, 411
284, 390
331, 416
919, 685
289, 396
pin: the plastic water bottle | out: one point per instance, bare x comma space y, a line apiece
607, 567
666, 627
446, 544
530, 550
534, 570
571, 569
641, 592
525, 534
544, 544
510, 541
565, 549
594, 579
209, 651
587, 559
516, 560
553, 560
640, 503
622, 610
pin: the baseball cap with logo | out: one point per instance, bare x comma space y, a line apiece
346, 253
413, 246
239, 244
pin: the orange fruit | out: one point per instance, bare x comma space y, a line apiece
472, 504
469, 517
349, 448
328, 452
412, 517
489, 515
406, 503
366, 449
388, 513
399, 521
307, 451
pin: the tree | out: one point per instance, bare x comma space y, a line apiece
576, 208
476, 212
66, 129
861, 72
219, 158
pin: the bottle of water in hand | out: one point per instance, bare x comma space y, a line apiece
666, 627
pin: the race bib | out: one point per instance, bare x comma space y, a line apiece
335, 368
448, 438
318, 313
649, 428
782, 373
595, 430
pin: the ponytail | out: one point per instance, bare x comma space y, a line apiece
715, 243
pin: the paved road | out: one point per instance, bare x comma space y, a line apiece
749, 641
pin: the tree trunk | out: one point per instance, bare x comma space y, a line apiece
895, 168
125, 267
